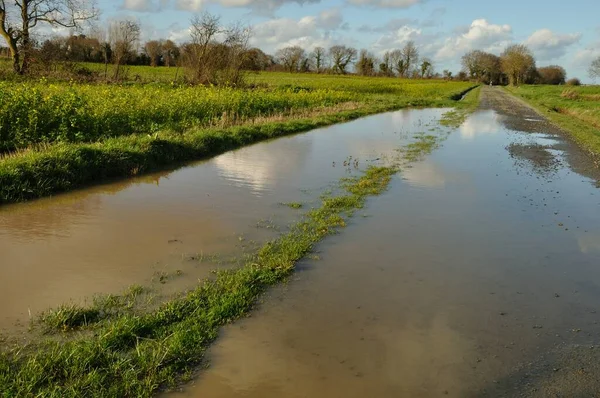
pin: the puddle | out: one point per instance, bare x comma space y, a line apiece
470, 270
104, 239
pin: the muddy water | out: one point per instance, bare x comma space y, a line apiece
476, 274
104, 239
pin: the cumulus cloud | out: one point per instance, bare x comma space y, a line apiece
307, 32
385, 3
265, 6
391, 25
481, 35
583, 58
189, 5
548, 45
138, 5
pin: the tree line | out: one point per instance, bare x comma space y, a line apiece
215, 53
516, 65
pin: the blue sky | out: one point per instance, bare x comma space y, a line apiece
559, 32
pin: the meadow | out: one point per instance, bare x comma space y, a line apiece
57, 136
575, 109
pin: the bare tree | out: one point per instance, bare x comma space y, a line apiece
170, 52
123, 36
366, 63
19, 17
291, 58
341, 57
447, 74
517, 62
482, 66
216, 54
154, 51
594, 69
385, 67
426, 68
552, 74
410, 56
318, 55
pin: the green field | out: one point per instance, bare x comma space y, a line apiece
575, 109
56, 136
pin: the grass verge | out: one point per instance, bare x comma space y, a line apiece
575, 110
467, 105
131, 354
62, 167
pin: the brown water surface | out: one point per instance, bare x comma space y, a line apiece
476, 274
104, 239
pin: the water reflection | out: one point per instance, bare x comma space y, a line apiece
259, 167
105, 238
480, 123
428, 174
589, 243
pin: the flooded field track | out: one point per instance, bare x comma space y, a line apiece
134, 340
472, 276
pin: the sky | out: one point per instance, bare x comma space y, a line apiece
557, 31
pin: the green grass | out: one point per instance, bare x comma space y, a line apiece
293, 205
134, 354
575, 109
467, 105
68, 163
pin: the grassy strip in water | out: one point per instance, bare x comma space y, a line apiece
64, 167
131, 354
464, 108
576, 110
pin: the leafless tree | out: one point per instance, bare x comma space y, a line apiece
123, 36
366, 63
291, 58
170, 52
594, 69
517, 62
552, 74
318, 56
154, 51
410, 57
482, 66
426, 68
216, 54
341, 57
18, 18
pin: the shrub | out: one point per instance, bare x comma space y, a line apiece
574, 82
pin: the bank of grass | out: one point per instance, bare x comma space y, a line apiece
63, 166
574, 109
125, 353
467, 105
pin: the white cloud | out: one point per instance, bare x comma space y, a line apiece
391, 25
548, 45
307, 32
397, 38
385, 3
189, 5
267, 6
138, 5
481, 35
331, 18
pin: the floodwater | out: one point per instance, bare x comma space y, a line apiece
104, 239
476, 274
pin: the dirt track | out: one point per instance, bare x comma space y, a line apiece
519, 116
568, 370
